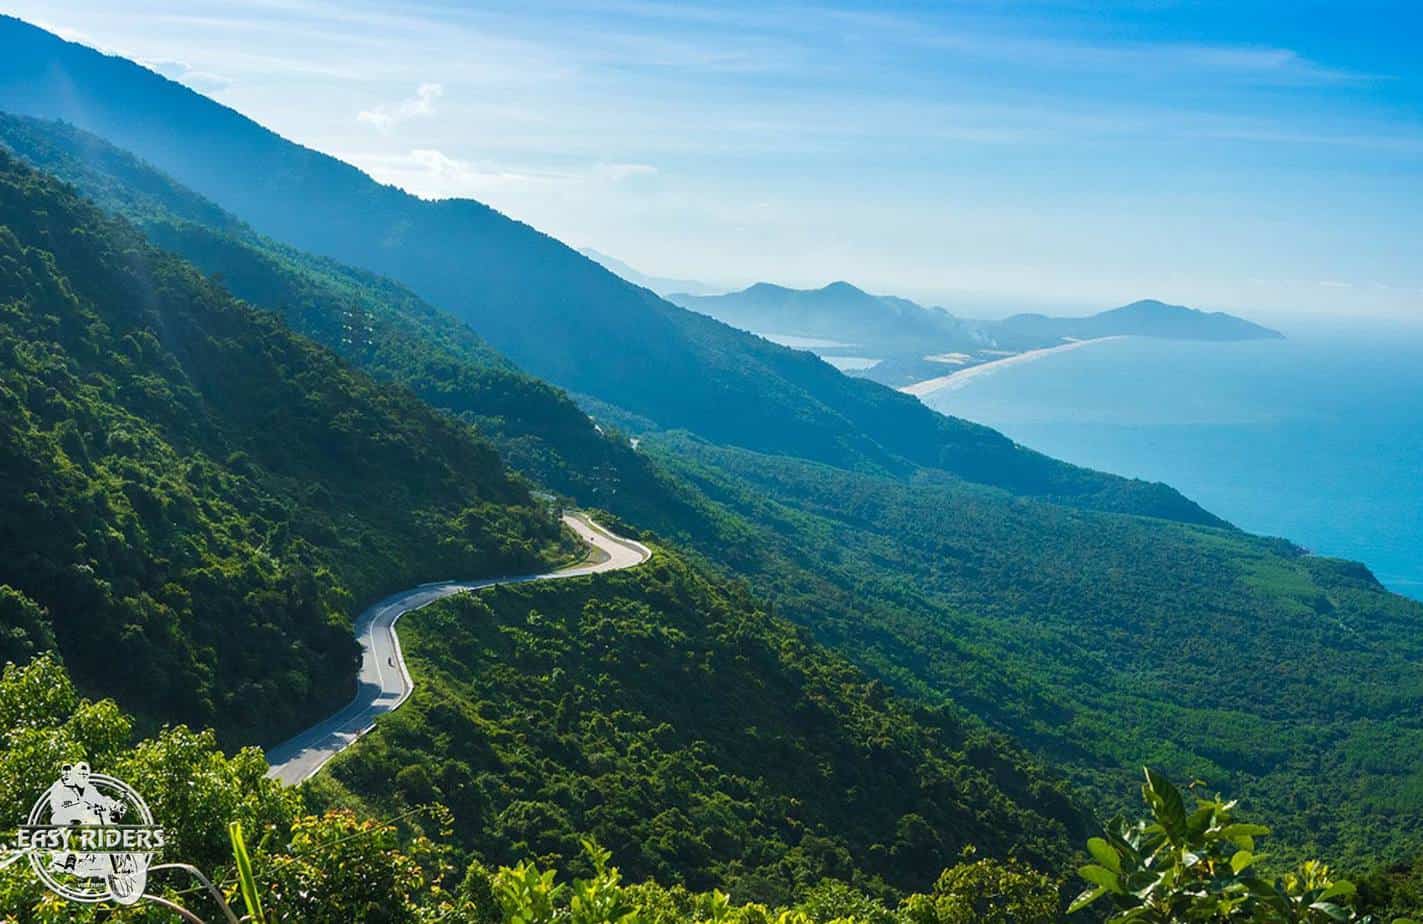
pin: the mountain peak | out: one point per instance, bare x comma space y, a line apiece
1154, 306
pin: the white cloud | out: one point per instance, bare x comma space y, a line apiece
433, 174
421, 104
181, 71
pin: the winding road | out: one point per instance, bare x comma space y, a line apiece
384, 683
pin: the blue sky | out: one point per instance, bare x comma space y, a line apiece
1265, 158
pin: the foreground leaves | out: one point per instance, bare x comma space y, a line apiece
1180, 866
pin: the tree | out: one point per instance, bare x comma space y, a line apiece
1180, 866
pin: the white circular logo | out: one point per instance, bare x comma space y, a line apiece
91, 838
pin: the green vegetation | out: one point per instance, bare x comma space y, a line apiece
1098, 641
702, 741
334, 867
197, 497
340, 866
1083, 636
374, 324
1202, 864
197, 494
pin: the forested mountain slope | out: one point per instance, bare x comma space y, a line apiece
964, 595
1102, 642
373, 323
197, 497
661, 711
557, 314
205, 533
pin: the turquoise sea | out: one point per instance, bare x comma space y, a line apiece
1317, 438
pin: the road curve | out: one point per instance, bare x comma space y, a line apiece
384, 683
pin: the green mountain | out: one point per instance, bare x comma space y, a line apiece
1097, 637
371, 322
555, 313
663, 712
1101, 642
196, 497
961, 594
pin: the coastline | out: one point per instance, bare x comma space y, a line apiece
963, 376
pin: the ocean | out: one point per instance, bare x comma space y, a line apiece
1317, 438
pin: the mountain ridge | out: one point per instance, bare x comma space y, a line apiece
535, 300
193, 489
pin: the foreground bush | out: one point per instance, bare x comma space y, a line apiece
337, 867
1202, 865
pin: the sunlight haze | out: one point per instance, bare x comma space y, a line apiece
990, 157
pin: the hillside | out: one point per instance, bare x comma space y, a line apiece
1101, 642
371, 322
937, 611
773, 828
535, 300
197, 497
664, 713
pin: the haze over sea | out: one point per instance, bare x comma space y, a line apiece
1318, 438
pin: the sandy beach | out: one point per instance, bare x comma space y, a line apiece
962, 377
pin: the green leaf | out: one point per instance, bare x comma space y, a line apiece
246, 880
1331, 910
1341, 889
1104, 854
1088, 897
1166, 803
1241, 861
1101, 876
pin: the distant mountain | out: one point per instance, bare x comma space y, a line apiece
659, 284
554, 312
843, 313
838, 312
898, 342
1146, 318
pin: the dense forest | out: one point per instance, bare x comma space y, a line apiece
227, 493
705, 743
1100, 641
198, 499
374, 324
888, 666
314, 865
1071, 631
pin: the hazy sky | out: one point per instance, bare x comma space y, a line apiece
1250, 156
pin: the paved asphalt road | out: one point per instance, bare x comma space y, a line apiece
384, 682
